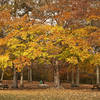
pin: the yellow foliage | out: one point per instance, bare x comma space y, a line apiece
72, 60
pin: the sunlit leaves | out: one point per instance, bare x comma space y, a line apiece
72, 60
95, 59
21, 62
5, 62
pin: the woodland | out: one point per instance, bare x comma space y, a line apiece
50, 40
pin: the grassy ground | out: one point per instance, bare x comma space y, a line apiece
49, 94
31, 91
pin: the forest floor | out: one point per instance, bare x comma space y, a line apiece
31, 91
34, 85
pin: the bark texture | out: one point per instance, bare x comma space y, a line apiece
77, 76
56, 75
21, 79
97, 72
2, 76
15, 81
72, 76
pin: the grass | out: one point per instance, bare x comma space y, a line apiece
49, 94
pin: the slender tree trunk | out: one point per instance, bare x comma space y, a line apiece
67, 76
21, 79
56, 76
72, 76
15, 81
31, 74
2, 75
77, 76
28, 74
97, 72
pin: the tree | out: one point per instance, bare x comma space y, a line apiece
4, 63
72, 35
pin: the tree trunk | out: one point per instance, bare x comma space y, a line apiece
15, 81
21, 79
56, 76
2, 75
30, 74
97, 72
67, 76
72, 76
77, 76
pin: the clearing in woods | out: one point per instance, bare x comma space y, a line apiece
32, 92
